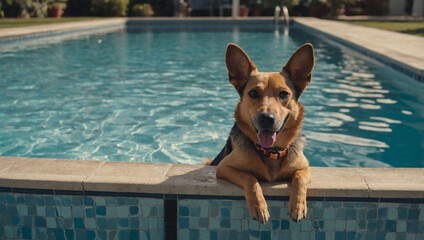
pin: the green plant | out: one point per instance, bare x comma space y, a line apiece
111, 8
142, 10
31, 8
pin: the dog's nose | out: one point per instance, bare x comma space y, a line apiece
266, 119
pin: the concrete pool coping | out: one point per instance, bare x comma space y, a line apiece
398, 50
166, 178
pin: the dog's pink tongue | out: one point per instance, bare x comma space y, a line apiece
266, 138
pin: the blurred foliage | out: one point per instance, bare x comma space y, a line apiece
142, 10
24, 8
109, 8
160, 7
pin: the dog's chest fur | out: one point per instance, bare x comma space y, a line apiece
273, 167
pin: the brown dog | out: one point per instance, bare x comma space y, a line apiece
265, 143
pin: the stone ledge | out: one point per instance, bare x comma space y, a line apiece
58, 27
165, 178
384, 44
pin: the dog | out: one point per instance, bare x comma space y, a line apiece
266, 142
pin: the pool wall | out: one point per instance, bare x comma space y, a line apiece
71, 199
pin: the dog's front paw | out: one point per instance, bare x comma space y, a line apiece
297, 209
259, 210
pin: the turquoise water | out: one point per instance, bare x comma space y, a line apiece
164, 96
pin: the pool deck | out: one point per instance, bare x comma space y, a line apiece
403, 50
164, 178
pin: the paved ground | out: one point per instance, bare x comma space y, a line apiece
403, 49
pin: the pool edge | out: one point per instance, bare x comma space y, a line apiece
198, 180
381, 45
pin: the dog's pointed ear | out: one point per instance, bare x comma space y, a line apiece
239, 66
300, 66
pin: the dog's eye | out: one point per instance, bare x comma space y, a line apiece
253, 94
283, 94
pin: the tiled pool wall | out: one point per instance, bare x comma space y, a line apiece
47, 214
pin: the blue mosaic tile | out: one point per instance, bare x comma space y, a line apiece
413, 214
214, 211
40, 222
111, 223
79, 223
26, 233
134, 235
402, 213
225, 223
183, 234
194, 234
382, 213
10, 199
51, 222
101, 223
101, 210
134, 210
328, 225
194, 211
89, 212
66, 212
77, 211
3, 209
56, 217
285, 225
351, 214
183, 222
11, 210
153, 212
122, 211
412, 226
69, 234
318, 224
50, 211
90, 223
225, 212
153, 223
123, 223
60, 234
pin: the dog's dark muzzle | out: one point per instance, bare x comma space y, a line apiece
266, 120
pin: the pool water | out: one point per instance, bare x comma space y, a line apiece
164, 96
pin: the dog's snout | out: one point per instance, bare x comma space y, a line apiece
266, 119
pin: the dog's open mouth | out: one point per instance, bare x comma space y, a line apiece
267, 138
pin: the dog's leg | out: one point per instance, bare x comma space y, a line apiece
297, 203
252, 190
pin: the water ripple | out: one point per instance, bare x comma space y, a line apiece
165, 97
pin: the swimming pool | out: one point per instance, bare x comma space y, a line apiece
162, 95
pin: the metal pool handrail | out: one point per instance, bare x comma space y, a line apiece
284, 11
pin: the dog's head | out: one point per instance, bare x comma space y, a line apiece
268, 100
